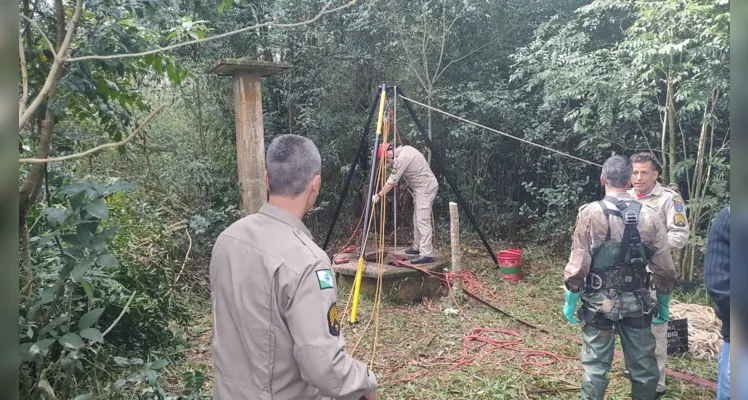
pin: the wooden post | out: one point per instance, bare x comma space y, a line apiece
250, 137
454, 216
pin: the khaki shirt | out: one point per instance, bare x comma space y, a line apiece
672, 210
276, 328
590, 231
412, 166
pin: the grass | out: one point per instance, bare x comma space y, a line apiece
421, 342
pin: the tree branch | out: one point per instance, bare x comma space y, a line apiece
119, 317
323, 12
24, 78
97, 148
460, 59
56, 65
411, 64
44, 35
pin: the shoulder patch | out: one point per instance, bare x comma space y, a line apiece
333, 320
678, 205
324, 278
679, 220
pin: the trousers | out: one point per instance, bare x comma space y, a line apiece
597, 358
422, 235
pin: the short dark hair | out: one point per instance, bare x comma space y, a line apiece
643, 157
291, 162
617, 171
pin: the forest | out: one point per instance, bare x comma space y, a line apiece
128, 164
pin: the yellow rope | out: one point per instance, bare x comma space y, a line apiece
380, 246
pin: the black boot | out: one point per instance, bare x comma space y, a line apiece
422, 260
412, 251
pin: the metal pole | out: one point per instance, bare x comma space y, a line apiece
362, 249
394, 144
452, 184
349, 178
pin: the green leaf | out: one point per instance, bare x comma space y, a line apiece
72, 239
121, 361
76, 188
170, 72
90, 318
158, 64
158, 364
92, 334
55, 216
152, 376
98, 208
83, 232
41, 347
52, 325
79, 270
87, 396
24, 350
76, 201
72, 340
88, 289
107, 260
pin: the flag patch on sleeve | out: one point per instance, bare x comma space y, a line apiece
324, 277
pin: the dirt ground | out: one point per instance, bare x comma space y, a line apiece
431, 350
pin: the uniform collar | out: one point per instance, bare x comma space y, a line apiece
285, 217
656, 191
621, 196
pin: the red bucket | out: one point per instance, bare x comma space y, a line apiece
510, 264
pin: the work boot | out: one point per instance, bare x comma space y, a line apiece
412, 252
422, 260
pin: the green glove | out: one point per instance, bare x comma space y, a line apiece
570, 305
663, 309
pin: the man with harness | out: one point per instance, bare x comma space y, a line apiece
614, 240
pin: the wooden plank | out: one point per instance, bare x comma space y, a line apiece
250, 145
237, 66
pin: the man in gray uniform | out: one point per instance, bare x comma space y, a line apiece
672, 211
614, 240
276, 327
410, 165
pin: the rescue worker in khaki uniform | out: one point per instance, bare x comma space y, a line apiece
276, 327
410, 165
614, 240
672, 210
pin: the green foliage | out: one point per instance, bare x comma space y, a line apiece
586, 78
80, 280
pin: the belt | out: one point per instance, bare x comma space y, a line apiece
623, 278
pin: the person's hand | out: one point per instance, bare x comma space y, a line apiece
371, 396
663, 309
570, 305
375, 198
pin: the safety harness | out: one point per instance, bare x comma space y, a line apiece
629, 273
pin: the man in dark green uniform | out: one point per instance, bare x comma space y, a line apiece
614, 240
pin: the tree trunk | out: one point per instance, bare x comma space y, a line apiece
671, 126
428, 120
199, 114
32, 184
663, 163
